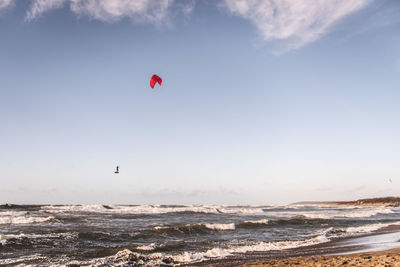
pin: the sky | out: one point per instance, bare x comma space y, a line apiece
262, 101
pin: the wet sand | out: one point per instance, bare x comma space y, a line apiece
378, 258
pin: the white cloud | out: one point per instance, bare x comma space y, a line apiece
187, 7
297, 22
113, 10
150, 11
38, 7
5, 3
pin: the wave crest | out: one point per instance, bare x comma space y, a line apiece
195, 228
26, 219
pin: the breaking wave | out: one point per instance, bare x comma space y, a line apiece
151, 209
367, 228
260, 246
364, 212
23, 218
195, 228
220, 226
255, 223
357, 213
128, 257
27, 239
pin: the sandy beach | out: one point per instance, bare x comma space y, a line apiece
378, 258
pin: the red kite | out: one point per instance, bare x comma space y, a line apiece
155, 79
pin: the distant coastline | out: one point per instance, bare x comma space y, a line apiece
380, 201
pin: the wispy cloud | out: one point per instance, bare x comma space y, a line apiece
295, 22
5, 3
145, 11
181, 193
38, 7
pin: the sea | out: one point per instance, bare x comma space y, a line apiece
173, 235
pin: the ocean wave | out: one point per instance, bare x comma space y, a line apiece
153, 259
128, 257
19, 207
320, 236
5, 239
99, 236
259, 247
351, 213
195, 228
298, 220
116, 209
12, 213
246, 210
220, 226
151, 246
24, 260
170, 246
152, 209
22, 217
74, 208
26, 219
260, 222
367, 228
331, 213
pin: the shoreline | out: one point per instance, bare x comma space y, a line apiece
330, 253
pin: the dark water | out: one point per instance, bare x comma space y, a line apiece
153, 235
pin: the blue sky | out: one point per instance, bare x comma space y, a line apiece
262, 101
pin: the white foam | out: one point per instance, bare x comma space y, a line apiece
74, 208
332, 213
152, 209
121, 258
161, 227
12, 213
24, 219
155, 259
220, 226
212, 226
367, 228
261, 246
151, 246
351, 213
262, 221
241, 210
